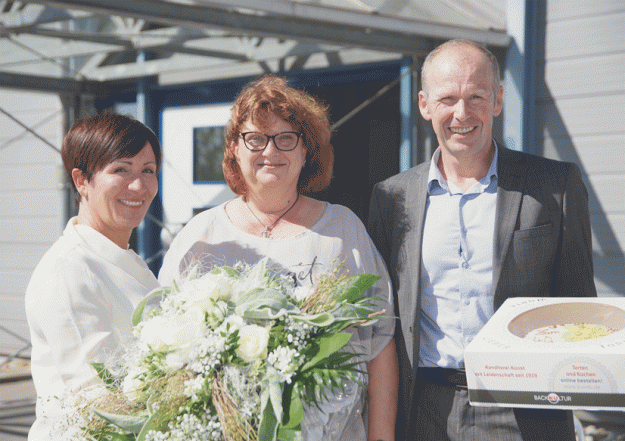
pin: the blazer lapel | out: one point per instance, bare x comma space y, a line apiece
416, 199
511, 179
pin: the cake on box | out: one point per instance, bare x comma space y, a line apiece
566, 353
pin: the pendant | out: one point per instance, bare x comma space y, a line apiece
266, 233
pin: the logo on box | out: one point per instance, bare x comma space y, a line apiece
553, 398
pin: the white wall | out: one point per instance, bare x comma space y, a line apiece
31, 200
581, 117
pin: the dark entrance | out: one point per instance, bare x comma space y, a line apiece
366, 147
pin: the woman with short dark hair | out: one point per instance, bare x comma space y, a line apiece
82, 294
278, 148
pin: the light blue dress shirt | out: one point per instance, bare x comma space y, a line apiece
456, 266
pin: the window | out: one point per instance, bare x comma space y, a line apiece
208, 153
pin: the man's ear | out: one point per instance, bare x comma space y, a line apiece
423, 106
80, 181
498, 102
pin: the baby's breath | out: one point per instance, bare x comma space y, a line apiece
208, 353
193, 386
298, 333
286, 361
188, 427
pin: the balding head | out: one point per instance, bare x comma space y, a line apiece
461, 48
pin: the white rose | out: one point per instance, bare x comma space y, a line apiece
184, 329
216, 313
231, 324
150, 333
223, 286
174, 332
207, 290
197, 294
131, 384
175, 360
253, 340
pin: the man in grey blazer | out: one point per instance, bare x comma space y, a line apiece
462, 233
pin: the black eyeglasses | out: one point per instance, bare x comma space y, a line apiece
256, 141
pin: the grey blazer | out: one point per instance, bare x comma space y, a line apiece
542, 243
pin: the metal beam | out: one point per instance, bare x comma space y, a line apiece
36, 15
313, 60
232, 59
28, 49
364, 30
370, 19
406, 110
519, 111
49, 84
116, 43
98, 38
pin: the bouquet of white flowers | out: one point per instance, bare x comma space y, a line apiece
233, 354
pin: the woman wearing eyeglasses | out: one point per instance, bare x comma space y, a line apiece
277, 150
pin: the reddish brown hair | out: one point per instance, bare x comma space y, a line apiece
100, 139
271, 95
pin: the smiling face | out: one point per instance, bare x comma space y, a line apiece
117, 197
461, 102
270, 168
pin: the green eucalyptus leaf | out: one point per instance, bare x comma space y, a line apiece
265, 294
327, 345
271, 396
349, 311
107, 378
128, 423
356, 286
138, 313
262, 303
262, 311
320, 320
294, 409
285, 434
150, 424
268, 427
275, 392
114, 436
230, 272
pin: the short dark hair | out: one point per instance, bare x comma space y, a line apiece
272, 95
100, 139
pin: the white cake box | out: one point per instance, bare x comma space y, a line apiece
505, 369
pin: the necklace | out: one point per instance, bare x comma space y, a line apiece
268, 228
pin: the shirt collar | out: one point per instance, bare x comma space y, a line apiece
435, 177
104, 248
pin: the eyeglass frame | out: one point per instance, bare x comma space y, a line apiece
273, 138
